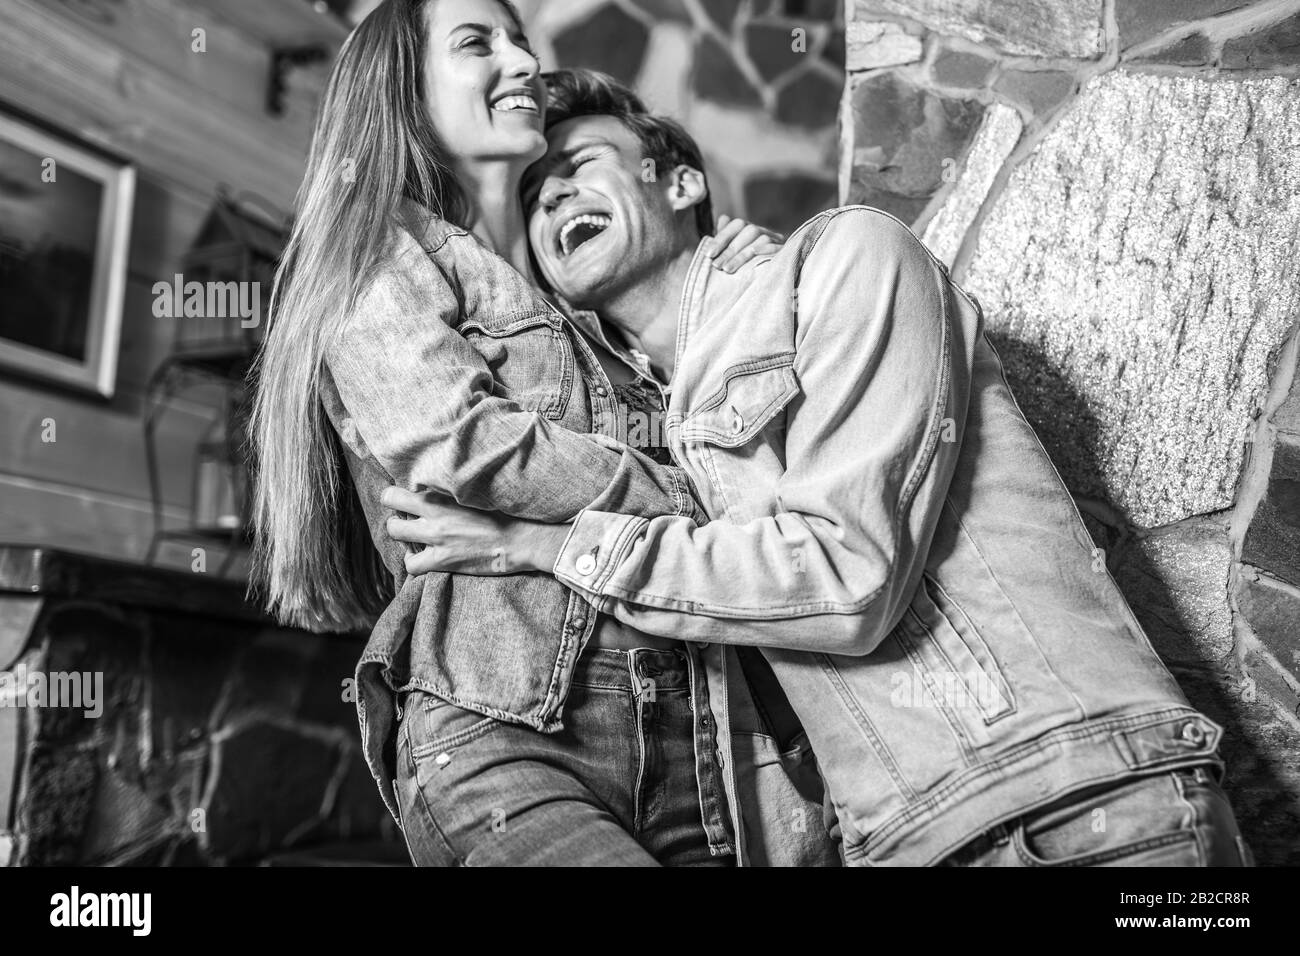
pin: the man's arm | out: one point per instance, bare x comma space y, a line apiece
867, 472
421, 399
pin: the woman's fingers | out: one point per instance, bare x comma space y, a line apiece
749, 241
422, 562
413, 530
726, 231
410, 502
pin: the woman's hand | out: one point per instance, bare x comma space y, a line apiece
468, 541
737, 241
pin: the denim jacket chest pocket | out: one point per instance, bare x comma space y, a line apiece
530, 357
735, 437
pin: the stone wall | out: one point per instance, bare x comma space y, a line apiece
756, 82
214, 738
1118, 181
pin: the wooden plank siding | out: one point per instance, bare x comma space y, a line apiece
123, 74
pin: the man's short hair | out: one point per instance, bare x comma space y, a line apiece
575, 93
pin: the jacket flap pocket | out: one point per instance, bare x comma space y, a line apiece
1188, 736
502, 323
750, 397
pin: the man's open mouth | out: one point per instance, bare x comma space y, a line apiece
581, 229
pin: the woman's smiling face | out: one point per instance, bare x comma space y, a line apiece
483, 89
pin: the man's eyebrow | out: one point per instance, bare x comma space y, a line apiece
542, 168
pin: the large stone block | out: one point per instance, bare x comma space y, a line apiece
1040, 90
997, 137
1140, 20
785, 201
811, 101
1177, 584
609, 40
1139, 269
721, 12
875, 45
772, 50
1287, 418
961, 68
905, 138
666, 10
1192, 50
1275, 46
717, 77
1261, 747
1273, 540
1025, 27
1273, 613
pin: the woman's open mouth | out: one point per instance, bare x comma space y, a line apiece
514, 101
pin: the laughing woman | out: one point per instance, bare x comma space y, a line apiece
501, 717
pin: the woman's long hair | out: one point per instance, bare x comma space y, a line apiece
314, 565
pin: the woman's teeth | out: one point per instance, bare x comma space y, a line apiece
508, 103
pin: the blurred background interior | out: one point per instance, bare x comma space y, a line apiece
1118, 181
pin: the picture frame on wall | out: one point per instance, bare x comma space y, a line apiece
65, 226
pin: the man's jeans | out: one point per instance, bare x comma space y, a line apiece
616, 787
1180, 818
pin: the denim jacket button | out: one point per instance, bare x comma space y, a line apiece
585, 565
1193, 733
737, 422
600, 390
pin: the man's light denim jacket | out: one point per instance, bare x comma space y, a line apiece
453, 374
889, 522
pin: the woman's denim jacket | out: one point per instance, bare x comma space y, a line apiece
453, 374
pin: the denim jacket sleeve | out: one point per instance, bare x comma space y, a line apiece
421, 398
835, 569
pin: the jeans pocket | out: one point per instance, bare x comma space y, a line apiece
425, 841
437, 727
1143, 822
1173, 848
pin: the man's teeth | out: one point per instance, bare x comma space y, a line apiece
590, 225
520, 102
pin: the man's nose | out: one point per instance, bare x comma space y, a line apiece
554, 191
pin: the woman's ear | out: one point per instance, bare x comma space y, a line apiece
688, 188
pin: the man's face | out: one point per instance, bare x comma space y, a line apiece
597, 219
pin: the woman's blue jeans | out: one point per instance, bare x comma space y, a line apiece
618, 786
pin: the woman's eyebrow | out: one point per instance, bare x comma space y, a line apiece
475, 27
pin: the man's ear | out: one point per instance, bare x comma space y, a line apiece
688, 188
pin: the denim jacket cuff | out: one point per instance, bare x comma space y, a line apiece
596, 545
687, 505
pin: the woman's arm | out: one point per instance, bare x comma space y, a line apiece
421, 400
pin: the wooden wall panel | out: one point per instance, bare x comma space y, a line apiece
122, 73
56, 66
